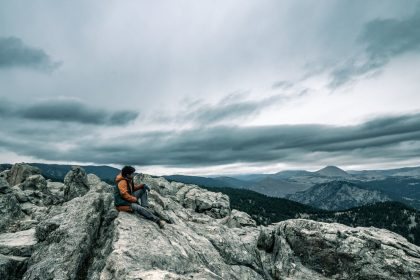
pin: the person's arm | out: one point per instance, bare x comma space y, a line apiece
138, 187
122, 186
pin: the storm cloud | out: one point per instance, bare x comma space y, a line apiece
384, 138
67, 110
233, 107
189, 84
15, 53
382, 39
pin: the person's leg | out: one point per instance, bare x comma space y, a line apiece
142, 194
144, 212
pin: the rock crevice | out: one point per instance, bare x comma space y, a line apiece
72, 231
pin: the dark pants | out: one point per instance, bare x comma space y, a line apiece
142, 195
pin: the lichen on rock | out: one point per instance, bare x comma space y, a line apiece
82, 236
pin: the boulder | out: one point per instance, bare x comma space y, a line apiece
76, 182
19, 194
56, 188
178, 252
36, 212
239, 219
159, 184
4, 186
96, 184
5, 174
18, 243
12, 267
20, 172
10, 211
214, 204
72, 238
35, 190
34, 183
301, 248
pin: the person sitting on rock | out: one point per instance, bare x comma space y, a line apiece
130, 197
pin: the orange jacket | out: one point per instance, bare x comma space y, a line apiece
127, 188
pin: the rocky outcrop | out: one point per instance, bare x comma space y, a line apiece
301, 248
178, 251
198, 245
26, 197
5, 175
10, 210
56, 188
76, 183
216, 205
34, 198
26, 203
12, 267
76, 224
239, 219
20, 172
4, 186
18, 243
35, 189
86, 238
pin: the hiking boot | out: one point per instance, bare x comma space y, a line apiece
161, 223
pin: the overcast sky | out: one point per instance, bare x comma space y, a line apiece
211, 87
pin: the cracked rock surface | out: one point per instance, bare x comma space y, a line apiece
72, 231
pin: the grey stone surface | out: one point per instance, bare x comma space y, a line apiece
10, 211
4, 186
5, 175
57, 189
19, 194
69, 236
35, 190
239, 219
12, 267
300, 248
86, 238
177, 251
18, 243
34, 211
198, 245
96, 184
34, 183
214, 204
20, 172
76, 183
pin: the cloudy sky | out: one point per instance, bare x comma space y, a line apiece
211, 87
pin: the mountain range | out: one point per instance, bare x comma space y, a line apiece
338, 195
314, 188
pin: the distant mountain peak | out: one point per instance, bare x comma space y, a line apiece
338, 195
332, 171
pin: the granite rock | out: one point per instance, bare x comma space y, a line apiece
76, 183
20, 172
